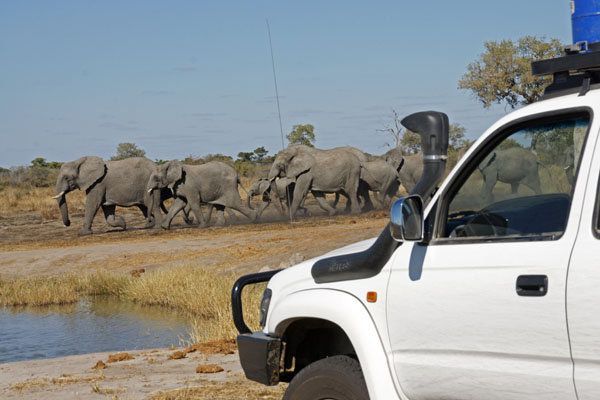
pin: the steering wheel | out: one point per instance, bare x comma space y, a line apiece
483, 224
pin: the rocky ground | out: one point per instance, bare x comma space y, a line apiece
149, 374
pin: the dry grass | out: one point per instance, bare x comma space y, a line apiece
38, 291
202, 295
239, 390
209, 369
118, 357
64, 379
18, 200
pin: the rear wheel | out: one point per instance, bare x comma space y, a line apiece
332, 378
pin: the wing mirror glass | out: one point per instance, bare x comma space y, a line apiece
406, 219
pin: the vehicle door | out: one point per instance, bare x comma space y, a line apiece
583, 292
479, 312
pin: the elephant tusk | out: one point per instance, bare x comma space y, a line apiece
58, 196
150, 190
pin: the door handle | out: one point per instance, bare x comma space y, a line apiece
532, 285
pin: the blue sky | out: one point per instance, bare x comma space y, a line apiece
194, 77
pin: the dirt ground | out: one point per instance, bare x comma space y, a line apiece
151, 374
30, 246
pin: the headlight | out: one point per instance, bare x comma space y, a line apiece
264, 306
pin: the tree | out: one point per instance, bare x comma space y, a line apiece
302, 134
39, 162
394, 130
410, 142
457, 139
127, 150
503, 72
260, 153
245, 156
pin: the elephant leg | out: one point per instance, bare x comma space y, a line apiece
285, 202
231, 214
112, 219
209, 214
345, 196
336, 200
300, 191
153, 205
220, 214
178, 205
193, 205
93, 202
320, 197
514, 187
186, 215
261, 208
533, 182
248, 213
150, 218
363, 192
487, 189
352, 192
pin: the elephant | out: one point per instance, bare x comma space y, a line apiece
382, 177
411, 171
282, 190
320, 172
214, 183
569, 164
379, 174
107, 185
514, 166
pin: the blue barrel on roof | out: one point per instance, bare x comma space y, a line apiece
585, 21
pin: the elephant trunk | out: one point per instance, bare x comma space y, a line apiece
248, 200
64, 210
274, 173
61, 199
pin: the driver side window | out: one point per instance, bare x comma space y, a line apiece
523, 185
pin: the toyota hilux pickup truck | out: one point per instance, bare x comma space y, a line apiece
484, 285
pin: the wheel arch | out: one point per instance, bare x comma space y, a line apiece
335, 318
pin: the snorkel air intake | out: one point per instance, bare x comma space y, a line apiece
433, 128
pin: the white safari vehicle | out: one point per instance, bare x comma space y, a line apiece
485, 286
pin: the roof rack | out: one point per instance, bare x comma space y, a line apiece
577, 71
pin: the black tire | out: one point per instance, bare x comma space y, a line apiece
335, 378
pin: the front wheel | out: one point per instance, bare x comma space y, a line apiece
332, 378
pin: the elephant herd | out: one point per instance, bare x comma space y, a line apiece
295, 172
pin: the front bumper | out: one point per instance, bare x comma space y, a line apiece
260, 357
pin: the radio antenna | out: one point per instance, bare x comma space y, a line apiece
275, 82
287, 189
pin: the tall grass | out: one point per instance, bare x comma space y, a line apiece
200, 294
20, 199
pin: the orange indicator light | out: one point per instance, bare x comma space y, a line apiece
371, 297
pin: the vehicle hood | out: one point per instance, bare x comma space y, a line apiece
298, 277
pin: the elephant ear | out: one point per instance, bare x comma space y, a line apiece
301, 162
174, 173
395, 162
91, 170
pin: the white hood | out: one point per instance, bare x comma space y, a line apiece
298, 277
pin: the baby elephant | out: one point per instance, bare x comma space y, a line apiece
214, 183
280, 190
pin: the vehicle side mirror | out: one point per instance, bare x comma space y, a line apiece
406, 219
